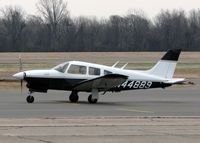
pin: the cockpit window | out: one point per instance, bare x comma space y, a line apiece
77, 69
62, 67
94, 71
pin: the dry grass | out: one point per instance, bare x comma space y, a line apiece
188, 67
7, 84
188, 73
98, 56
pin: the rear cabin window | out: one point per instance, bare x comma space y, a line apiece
94, 71
77, 69
107, 72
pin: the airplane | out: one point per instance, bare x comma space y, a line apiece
77, 76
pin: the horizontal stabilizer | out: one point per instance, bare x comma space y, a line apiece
102, 83
176, 81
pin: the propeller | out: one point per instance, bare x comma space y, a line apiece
20, 70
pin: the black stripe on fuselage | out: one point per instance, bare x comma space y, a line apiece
43, 84
39, 84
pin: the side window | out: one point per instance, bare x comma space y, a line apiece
94, 71
76, 69
107, 72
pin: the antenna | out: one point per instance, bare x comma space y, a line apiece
124, 66
116, 63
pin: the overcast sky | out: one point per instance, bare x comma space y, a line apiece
104, 8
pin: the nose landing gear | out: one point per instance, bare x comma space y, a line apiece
30, 98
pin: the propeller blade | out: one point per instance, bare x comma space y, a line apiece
21, 86
20, 69
20, 63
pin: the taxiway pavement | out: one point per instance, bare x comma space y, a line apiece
183, 101
98, 130
168, 116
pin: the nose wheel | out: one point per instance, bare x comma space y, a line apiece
30, 98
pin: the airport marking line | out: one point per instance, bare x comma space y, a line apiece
135, 110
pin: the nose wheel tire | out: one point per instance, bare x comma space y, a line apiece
30, 99
92, 101
73, 97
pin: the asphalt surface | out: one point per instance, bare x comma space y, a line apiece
183, 101
168, 116
100, 130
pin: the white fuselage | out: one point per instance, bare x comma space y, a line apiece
132, 74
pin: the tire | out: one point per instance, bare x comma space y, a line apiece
30, 99
73, 97
92, 101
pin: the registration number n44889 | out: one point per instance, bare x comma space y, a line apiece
136, 84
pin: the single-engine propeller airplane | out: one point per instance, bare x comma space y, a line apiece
76, 76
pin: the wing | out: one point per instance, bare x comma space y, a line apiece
102, 83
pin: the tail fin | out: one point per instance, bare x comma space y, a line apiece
166, 66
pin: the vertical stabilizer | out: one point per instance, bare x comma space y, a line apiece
166, 66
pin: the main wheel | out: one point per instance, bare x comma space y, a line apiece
92, 101
30, 99
73, 97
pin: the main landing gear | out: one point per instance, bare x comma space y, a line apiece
30, 98
92, 98
74, 97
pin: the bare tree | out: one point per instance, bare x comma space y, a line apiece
53, 12
54, 30
35, 34
172, 26
194, 30
137, 28
13, 23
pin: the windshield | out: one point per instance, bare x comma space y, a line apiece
62, 67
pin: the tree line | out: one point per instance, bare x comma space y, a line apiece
54, 30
